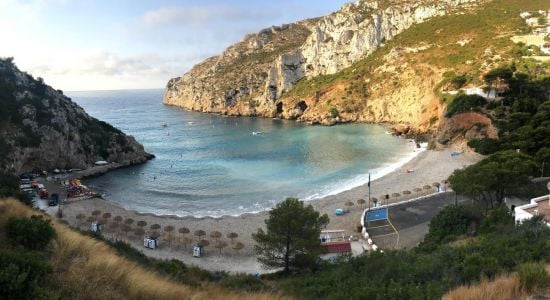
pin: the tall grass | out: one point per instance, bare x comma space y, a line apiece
85, 268
501, 288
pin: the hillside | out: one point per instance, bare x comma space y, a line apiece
379, 62
74, 266
297, 79
41, 128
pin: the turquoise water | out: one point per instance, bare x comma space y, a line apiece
211, 165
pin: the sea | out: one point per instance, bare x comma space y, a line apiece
213, 165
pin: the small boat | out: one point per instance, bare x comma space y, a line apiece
256, 132
164, 125
190, 123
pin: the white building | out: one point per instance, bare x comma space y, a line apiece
537, 206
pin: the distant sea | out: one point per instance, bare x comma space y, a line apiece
211, 165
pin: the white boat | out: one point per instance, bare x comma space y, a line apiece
256, 132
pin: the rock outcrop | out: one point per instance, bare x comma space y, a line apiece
252, 77
41, 128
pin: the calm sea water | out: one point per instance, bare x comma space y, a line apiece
210, 165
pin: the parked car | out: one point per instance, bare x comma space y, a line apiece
54, 200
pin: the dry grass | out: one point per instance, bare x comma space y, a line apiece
85, 268
501, 288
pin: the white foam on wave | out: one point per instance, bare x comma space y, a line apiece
362, 179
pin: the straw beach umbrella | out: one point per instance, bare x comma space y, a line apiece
220, 245
125, 228
349, 203
183, 231
232, 236
199, 233
361, 202
169, 230
427, 187
106, 216
204, 243
141, 224
417, 190
139, 232
186, 240
154, 227
117, 219
129, 222
91, 219
238, 246
80, 217
396, 195
407, 192
96, 213
215, 235
374, 200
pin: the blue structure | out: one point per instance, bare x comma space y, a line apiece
377, 214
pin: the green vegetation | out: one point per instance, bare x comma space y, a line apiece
23, 263
33, 233
292, 236
489, 181
9, 185
464, 103
532, 276
428, 272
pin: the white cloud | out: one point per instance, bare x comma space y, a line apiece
202, 15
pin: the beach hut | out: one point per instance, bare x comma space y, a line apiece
151, 242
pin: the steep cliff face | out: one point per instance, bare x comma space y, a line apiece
255, 76
42, 128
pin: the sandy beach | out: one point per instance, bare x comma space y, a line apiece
427, 167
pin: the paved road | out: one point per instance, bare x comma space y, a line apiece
411, 221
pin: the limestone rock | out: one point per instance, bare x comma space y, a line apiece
42, 128
252, 76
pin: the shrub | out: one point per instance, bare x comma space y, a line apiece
32, 233
464, 103
22, 275
452, 221
532, 276
484, 146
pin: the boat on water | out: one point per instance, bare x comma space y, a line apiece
256, 132
164, 125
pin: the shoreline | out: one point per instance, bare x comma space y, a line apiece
377, 173
429, 166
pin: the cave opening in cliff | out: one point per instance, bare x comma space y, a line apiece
280, 107
302, 106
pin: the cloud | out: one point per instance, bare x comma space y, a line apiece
202, 15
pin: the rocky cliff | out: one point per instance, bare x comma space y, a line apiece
42, 128
257, 76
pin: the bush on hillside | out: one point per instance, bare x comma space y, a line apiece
533, 276
452, 221
32, 233
23, 275
464, 103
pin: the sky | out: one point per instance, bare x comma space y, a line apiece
124, 44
